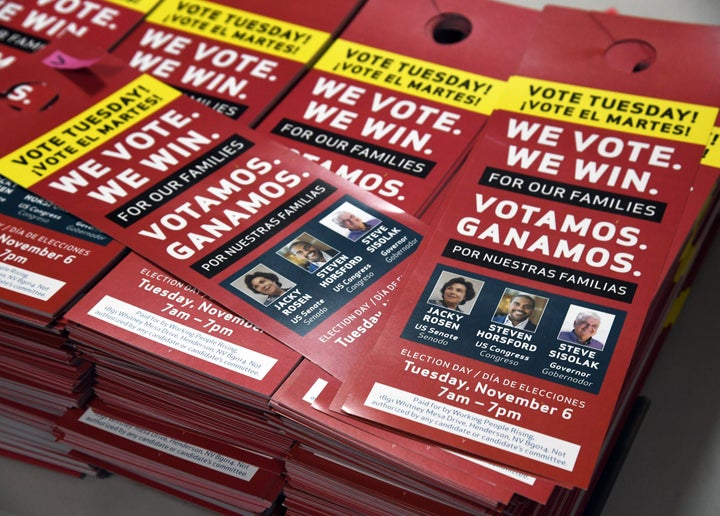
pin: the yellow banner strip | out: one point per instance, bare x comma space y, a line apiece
85, 132
241, 28
612, 110
423, 79
711, 158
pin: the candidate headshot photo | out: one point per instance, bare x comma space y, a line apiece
263, 285
351, 222
308, 253
455, 292
586, 327
520, 310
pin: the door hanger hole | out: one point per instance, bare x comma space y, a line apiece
449, 28
630, 55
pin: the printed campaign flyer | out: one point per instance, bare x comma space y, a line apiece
27, 26
296, 250
48, 257
150, 311
305, 398
394, 103
524, 306
234, 57
241, 481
